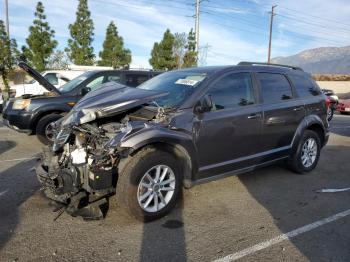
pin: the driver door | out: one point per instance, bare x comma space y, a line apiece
229, 134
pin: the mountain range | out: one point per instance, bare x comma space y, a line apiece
322, 60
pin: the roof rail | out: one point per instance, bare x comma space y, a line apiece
269, 64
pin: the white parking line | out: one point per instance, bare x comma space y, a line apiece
340, 116
4, 192
18, 159
280, 238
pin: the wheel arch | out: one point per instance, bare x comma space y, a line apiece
178, 145
42, 114
313, 123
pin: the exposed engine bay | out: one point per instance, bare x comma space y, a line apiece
79, 172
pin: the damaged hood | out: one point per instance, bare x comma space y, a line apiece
110, 99
38, 77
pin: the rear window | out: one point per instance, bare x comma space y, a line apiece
304, 86
135, 80
275, 87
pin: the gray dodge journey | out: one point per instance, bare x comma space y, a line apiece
179, 129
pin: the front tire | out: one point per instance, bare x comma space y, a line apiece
149, 184
306, 155
44, 128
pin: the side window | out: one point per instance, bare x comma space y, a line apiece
134, 80
52, 78
275, 87
113, 78
231, 91
96, 83
305, 87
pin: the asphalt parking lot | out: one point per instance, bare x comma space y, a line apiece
271, 214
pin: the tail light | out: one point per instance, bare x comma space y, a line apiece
328, 102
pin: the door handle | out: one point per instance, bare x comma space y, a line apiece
298, 108
254, 116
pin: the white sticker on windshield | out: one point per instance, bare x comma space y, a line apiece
188, 82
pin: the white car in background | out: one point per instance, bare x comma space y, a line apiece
55, 77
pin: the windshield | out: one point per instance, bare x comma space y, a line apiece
179, 84
73, 83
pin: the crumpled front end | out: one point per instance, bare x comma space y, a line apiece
80, 171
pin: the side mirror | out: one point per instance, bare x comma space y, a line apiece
85, 90
204, 105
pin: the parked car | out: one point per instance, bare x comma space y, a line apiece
344, 105
332, 100
179, 129
56, 77
35, 114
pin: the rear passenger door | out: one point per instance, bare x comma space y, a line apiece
282, 112
229, 134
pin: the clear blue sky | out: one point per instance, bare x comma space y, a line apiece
235, 30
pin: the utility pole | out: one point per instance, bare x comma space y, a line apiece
197, 25
7, 18
270, 40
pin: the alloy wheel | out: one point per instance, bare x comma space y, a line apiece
309, 152
156, 188
50, 132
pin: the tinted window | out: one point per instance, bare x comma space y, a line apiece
275, 87
114, 78
305, 87
134, 80
52, 78
74, 83
96, 83
231, 91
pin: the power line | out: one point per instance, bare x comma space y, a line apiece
296, 34
256, 32
126, 4
240, 21
291, 28
311, 23
240, 29
317, 17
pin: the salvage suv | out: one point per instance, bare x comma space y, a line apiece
179, 129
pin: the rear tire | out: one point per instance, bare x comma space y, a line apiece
307, 153
42, 128
142, 198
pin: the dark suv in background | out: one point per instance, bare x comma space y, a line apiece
179, 129
35, 114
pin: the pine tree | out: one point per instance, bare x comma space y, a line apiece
40, 40
79, 48
9, 56
114, 54
155, 56
162, 56
191, 56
